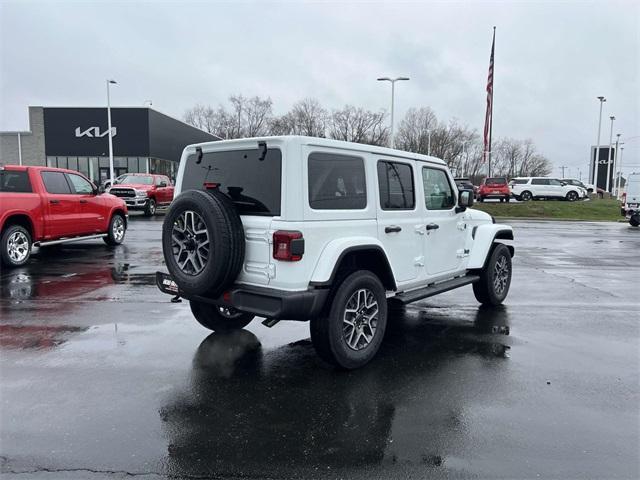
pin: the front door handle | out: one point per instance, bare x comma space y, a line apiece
54, 201
432, 226
392, 229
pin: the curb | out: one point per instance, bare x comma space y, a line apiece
549, 219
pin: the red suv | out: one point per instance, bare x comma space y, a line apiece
144, 191
494, 187
44, 206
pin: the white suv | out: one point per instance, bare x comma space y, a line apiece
302, 228
530, 188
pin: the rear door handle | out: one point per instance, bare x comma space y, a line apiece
432, 226
54, 201
392, 229
83, 201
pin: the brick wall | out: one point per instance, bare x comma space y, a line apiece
32, 142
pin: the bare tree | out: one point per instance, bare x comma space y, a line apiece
414, 129
359, 125
307, 117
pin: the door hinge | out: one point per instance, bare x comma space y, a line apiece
419, 229
419, 261
463, 252
462, 226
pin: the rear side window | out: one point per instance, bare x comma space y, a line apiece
336, 182
254, 185
539, 181
55, 182
14, 181
395, 182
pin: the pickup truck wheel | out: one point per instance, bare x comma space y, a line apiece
219, 319
634, 221
16, 246
203, 242
116, 232
526, 196
150, 209
351, 331
495, 277
506, 199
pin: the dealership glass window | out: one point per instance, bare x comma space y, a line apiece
132, 165
52, 162
93, 168
73, 163
62, 162
120, 162
83, 166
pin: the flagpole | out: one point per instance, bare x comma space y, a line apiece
493, 46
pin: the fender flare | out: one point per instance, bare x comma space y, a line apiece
333, 253
484, 236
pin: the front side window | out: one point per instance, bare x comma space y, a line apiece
395, 183
55, 182
520, 181
438, 194
15, 181
336, 182
554, 182
253, 181
80, 185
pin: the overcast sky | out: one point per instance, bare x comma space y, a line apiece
552, 60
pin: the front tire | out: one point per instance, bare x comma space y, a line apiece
150, 209
350, 332
634, 221
571, 196
495, 277
16, 246
219, 319
117, 230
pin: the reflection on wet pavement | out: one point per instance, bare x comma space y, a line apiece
101, 374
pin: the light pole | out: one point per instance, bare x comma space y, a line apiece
393, 85
619, 179
606, 187
597, 159
615, 159
109, 82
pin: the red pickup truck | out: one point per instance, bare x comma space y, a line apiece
144, 191
45, 206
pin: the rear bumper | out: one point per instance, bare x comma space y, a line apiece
494, 194
262, 301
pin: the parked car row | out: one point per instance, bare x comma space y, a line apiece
43, 206
527, 188
630, 207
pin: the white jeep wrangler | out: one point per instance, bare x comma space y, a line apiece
302, 228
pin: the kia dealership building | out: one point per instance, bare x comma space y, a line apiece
144, 140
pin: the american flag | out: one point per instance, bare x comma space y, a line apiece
488, 119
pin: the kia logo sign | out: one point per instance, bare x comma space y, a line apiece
94, 132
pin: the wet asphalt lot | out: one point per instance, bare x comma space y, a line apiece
102, 377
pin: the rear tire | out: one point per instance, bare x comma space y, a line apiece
150, 209
506, 199
219, 319
350, 332
481, 199
634, 221
526, 196
16, 246
117, 230
495, 277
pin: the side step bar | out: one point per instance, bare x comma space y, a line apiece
70, 239
435, 289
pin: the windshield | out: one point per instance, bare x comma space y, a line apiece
496, 180
253, 184
139, 179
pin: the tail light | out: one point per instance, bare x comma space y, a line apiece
288, 245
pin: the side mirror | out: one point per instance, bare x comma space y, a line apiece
162, 184
564, 184
465, 200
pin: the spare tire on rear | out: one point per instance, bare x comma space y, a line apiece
203, 242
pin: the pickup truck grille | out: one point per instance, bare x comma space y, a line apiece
123, 192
